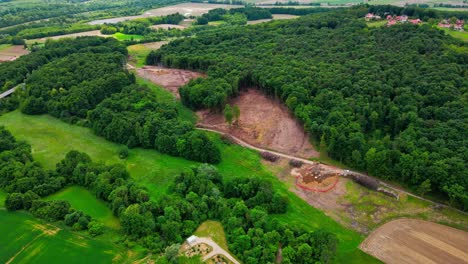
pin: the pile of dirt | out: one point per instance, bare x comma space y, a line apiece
263, 122
316, 178
170, 79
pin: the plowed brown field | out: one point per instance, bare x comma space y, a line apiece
416, 241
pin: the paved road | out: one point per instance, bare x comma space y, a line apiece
386, 185
7, 93
217, 250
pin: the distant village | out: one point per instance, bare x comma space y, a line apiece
393, 20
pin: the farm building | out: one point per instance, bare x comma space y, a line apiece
372, 16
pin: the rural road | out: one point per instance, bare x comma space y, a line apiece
7, 93
247, 145
217, 250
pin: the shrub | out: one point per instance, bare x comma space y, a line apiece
123, 152
95, 228
296, 163
269, 156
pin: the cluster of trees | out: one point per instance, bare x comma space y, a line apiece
26, 182
90, 86
388, 100
235, 16
415, 11
141, 26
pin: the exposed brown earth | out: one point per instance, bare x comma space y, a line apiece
168, 26
263, 122
275, 17
93, 33
416, 241
12, 53
170, 79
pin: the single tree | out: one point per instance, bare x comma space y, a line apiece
228, 114
236, 113
425, 187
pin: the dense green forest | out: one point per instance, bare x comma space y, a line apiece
85, 81
389, 100
200, 193
15, 13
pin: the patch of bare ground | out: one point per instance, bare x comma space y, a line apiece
416, 241
359, 208
167, 26
155, 45
93, 33
12, 53
170, 79
275, 17
264, 123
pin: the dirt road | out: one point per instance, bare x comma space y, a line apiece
217, 250
416, 241
290, 157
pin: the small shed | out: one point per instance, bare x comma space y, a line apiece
191, 240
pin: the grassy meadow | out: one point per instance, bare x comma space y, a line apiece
27, 240
123, 37
138, 54
82, 199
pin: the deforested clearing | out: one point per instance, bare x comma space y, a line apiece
263, 122
416, 241
10, 53
170, 79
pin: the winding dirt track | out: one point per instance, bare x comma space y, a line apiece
415, 241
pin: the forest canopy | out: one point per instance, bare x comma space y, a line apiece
389, 100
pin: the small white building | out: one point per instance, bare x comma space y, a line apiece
191, 240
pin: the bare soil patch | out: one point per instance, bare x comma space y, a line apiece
93, 33
417, 241
170, 79
316, 178
12, 53
275, 17
263, 122
186, 9
168, 26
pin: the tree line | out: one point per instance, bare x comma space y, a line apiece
388, 100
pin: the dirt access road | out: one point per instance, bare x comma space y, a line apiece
217, 250
416, 241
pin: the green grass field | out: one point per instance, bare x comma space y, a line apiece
462, 35
82, 199
27, 240
4, 46
138, 53
2, 198
123, 37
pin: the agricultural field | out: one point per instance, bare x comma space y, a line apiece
27, 240
406, 241
51, 139
81, 199
11, 52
